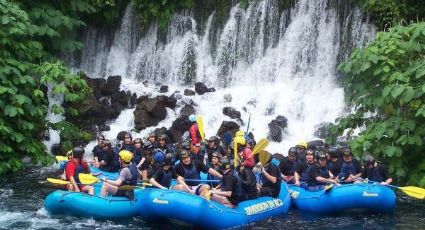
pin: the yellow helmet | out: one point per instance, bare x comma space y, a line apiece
126, 156
239, 140
302, 144
240, 133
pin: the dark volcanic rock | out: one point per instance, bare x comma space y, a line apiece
56, 150
163, 89
231, 112
210, 90
277, 127
187, 110
189, 92
322, 130
227, 126
200, 88
112, 85
150, 111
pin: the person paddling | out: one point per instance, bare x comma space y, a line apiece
227, 193
375, 171
351, 170
72, 170
128, 175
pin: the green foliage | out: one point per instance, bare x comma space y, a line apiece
71, 134
388, 13
22, 102
159, 10
244, 4
385, 83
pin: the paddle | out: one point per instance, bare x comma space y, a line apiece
200, 122
61, 158
87, 178
263, 156
262, 144
58, 181
416, 192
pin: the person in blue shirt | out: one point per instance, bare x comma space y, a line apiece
375, 171
351, 169
289, 165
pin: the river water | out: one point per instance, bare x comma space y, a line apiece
21, 207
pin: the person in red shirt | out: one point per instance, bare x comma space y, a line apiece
246, 155
73, 168
194, 130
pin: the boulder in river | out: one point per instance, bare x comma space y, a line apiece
277, 127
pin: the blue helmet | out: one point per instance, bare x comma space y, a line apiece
158, 156
192, 118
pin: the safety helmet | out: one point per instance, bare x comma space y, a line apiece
251, 142
148, 145
214, 139
292, 151
302, 144
78, 152
225, 164
100, 137
309, 152
240, 133
163, 137
107, 142
137, 140
186, 144
152, 134
192, 118
333, 152
126, 156
184, 154
168, 161
127, 135
321, 155
368, 159
346, 151
216, 154
158, 156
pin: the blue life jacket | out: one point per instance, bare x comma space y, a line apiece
137, 155
193, 174
347, 169
295, 166
134, 175
98, 151
127, 147
323, 172
334, 167
211, 177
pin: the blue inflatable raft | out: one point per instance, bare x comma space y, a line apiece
345, 197
175, 205
85, 205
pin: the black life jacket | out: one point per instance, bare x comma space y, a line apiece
134, 175
374, 174
167, 176
191, 173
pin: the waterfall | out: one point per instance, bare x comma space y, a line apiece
54, 135
272, 61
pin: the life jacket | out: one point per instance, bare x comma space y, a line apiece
191, 173
240, 194
211, 177
167, 176
138, 155
266, 182
98, 151
115, 167
347, 169
78, 169
323, 172
134, 175
250, 190
305, 176
334, 167
374, 174
128, 147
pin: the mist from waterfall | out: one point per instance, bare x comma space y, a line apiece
271, 61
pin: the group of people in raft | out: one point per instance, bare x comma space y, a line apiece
156, 161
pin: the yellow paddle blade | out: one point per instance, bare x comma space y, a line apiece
61, 158
413, 191
235, 155
208, 195
264, 156
200, 122
87, 178
262, 144
57, 181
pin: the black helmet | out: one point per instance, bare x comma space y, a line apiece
168, 161
100, 137
184, 154
107, 142
225, 164
138, 140
148, 145
78, 152
128, 135
333, 152
309, 152
251, 142
214, 139
152, 134
346, 151
368, 159
186, 144
321, 155
292, 151
163, 137
216, 154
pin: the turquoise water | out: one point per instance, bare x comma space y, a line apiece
21, 207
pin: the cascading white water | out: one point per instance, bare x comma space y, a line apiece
53, 99
271, 62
